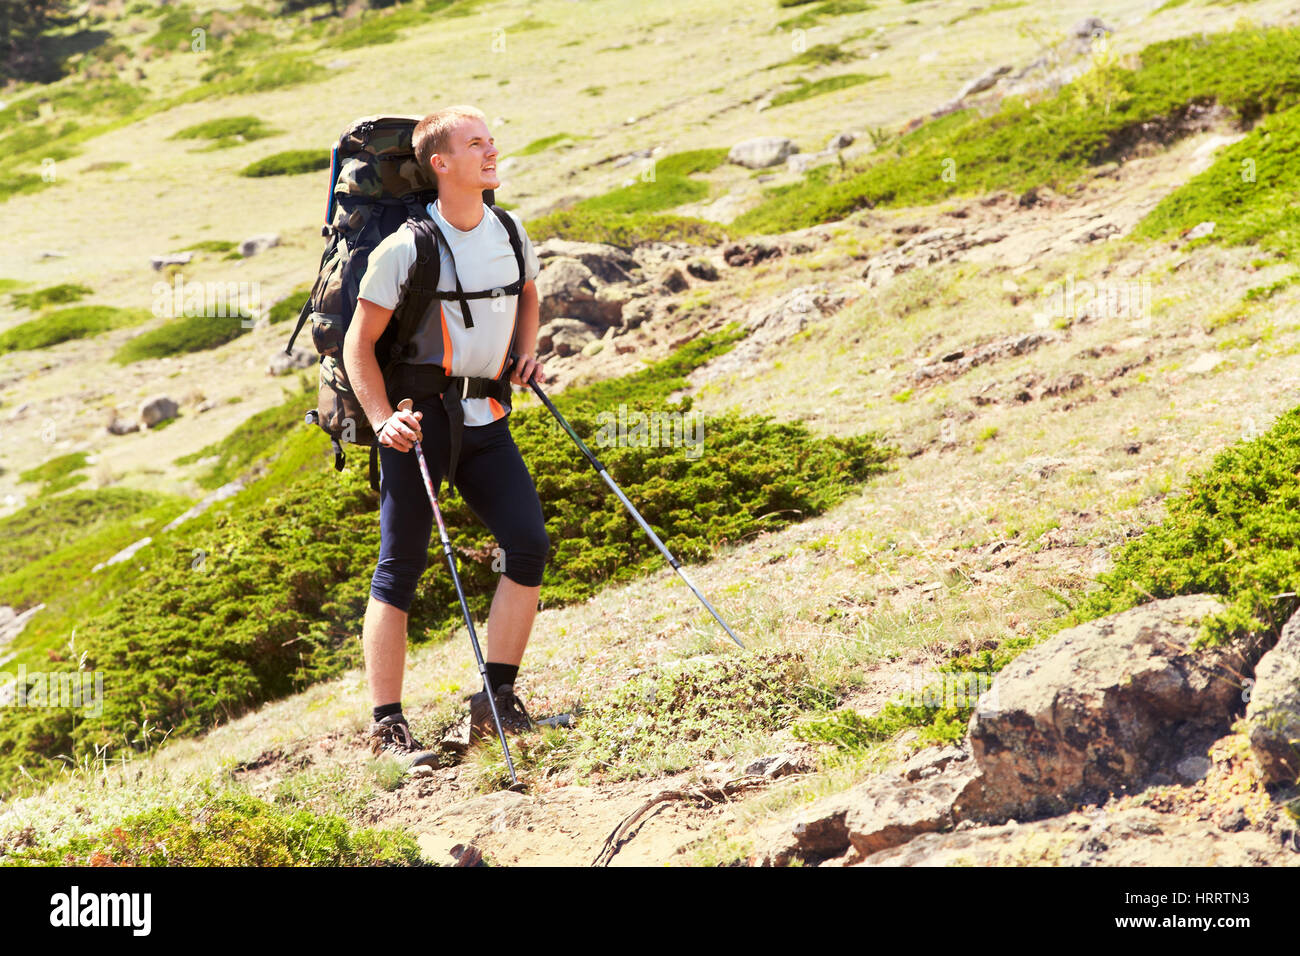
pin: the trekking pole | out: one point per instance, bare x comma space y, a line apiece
406, 405
600, 469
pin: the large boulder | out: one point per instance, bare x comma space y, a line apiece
1100, 705
607, 263
761, 152
1273, 715
568, 287
281, 364
255, 244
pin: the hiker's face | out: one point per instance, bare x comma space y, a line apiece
471, 164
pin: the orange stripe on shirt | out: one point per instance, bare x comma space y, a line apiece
497, 411
446, 341
513, 319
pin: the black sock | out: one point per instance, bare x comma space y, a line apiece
387, 710
501, 674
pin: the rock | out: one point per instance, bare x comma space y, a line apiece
877, 814
117, 426
567, 287
126, 554
1192, 768
255, 244
170, 259
800, 163
157, 409
770, 322
932, 760
1273, 714
983, 82
840, 140
12, 622
1234, 822
636, 311
1205, 362
761, 151
672, 281
1199, 231
1097, 706
281, 364
565, 336
53, 254
999, 349
702, 268
773, 766
750, 251
607, 263
227, 490
1090, 27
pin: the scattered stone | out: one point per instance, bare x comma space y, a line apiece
1235, 821
12, 622
672, 281
1273, 714
126, 554
255, 244
1199, 231
221, 494
170, 259
1090, 27
118, 426
932, 760
607, 263
281, 364
565, 336
773, 766
567, 287
157, 409
840, 141
1205, 362
750, 252
1193, 768
999, 349
702, 268
983, 82
762, 151
56, 254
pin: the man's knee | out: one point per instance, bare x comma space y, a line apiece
395, 580
526, 555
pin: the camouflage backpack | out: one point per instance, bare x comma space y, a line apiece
376, 185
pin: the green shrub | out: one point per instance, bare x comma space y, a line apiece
288, 163
830, 84
55, 468
626, 230
1098, 118
671, 185
229, 829
290, 306
673, 718
1235, 532
210, 245
239, 76
829, 8
48, 524
546, 142
820, 54
227, 132
193, 333
61, 325
1248, 192
51, 295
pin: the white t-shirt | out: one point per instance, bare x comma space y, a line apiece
487, 261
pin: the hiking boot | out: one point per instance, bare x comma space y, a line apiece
514, 718
392, 736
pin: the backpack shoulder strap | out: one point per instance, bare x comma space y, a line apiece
516, 244
421, 284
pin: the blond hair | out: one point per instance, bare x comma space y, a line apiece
433, 133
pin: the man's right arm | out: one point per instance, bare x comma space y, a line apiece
399, 430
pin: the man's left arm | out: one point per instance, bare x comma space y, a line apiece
526, 337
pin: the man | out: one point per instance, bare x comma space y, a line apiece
456, 145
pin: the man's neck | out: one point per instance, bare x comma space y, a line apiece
462, 210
